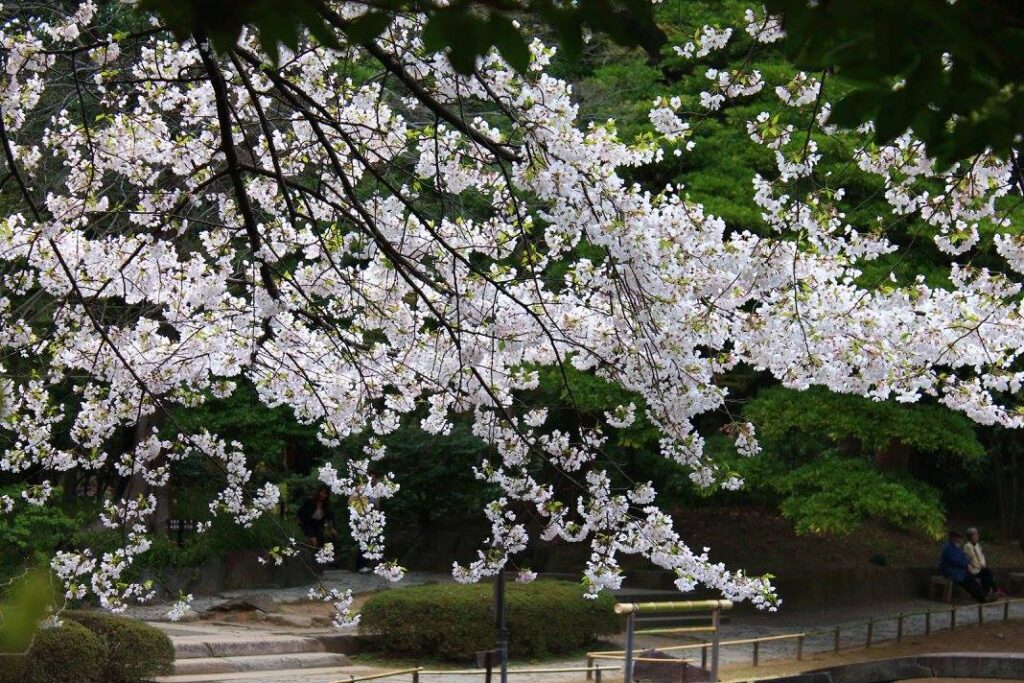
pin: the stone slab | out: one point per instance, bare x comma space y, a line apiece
312, 675
259, 601
345, 643
192, 647
277, 662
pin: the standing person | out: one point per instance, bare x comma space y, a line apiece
953, 564
978, 567
316, 517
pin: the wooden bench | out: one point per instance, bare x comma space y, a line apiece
941, 588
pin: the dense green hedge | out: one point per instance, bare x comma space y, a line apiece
66, 654
454, 621
136, 651
91, 648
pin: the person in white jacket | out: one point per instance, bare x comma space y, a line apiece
978, 566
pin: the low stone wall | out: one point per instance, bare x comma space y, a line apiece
831, 587
1002, 666
235, 570
434, 549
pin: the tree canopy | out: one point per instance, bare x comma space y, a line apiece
949, 71
363, 232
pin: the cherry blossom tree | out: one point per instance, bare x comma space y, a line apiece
360, 231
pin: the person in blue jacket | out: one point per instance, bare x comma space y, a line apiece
954, 564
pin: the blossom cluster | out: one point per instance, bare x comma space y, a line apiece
358, 254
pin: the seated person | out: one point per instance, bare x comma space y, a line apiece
316, 518
978, 567
954, 563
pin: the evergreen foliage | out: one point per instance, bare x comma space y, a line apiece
136, 651
454, 621
69, 652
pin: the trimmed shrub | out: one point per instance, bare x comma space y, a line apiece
454, 621
67, 653
136, 650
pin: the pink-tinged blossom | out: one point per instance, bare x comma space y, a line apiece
214, 221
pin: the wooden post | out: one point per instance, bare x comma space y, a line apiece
928, 623
627, 673
597, 675
590, 668
716, 624
899, 627
704, 657
756, 644
502, 626
981, 613
952, 619
1006, 610
799, 648
416, 675
871, 632
836, 639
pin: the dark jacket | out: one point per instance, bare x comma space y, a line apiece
314, 528
953, 563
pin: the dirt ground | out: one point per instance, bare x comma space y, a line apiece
997, 637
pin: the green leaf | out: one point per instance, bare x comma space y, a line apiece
464, 35
856, 108
894, 118
510, 42
569, 26
450, 29
368, 27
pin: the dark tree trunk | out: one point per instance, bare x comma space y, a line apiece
894, 457
137, 485
1008, 470
1004, 494
849, 446
69, 485
1017, 495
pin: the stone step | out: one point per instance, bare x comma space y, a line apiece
272, 662
311, 675
240, 645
